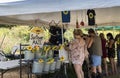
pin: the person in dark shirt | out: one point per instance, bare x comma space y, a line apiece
111, 52
91, 17
117, 40
95, 49
104, 52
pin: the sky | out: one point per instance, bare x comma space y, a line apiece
6, 1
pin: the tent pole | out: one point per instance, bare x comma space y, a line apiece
2, 40
62, 33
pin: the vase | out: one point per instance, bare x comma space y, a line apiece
29, 55
37, 67
64, 53
52, 66
58, 64
46, 67
37, 55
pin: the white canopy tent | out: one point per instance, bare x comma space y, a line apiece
41, 12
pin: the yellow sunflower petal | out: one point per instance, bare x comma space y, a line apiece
29, 48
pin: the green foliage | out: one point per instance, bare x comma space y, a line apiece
13, 36
16, 35
7, 26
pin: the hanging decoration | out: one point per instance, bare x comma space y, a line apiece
77, 24
82, 23
65, 16
91, 17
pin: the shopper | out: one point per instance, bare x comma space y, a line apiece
111, 52
95, 49
117, 40
77, 52
104, 52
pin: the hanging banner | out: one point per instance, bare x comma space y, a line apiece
91, 17
37, 36
65, 16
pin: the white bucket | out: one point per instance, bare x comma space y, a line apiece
58, 64
46, 67
37, 67
52, 66
37, 55
29, 55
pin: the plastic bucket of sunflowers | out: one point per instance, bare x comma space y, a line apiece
48, 62
38, 53
38, 66
29, 55
53, 64
59, 62
30, 52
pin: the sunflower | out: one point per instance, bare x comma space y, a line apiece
29, 48
36, 47
40, 60
62, 58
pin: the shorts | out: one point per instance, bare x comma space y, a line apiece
96, 60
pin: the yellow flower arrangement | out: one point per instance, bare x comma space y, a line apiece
62, 58
46, 48
55, 47
40, 60
51, 60
33, 49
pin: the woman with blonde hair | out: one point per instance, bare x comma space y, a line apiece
77, 52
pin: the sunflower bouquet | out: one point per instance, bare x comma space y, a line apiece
33, 49
30, 52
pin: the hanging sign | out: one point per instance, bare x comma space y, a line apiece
65, 16
37, 36
91, 17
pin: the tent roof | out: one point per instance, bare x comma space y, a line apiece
37, 12
42, 6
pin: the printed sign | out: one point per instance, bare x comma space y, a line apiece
37, 36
